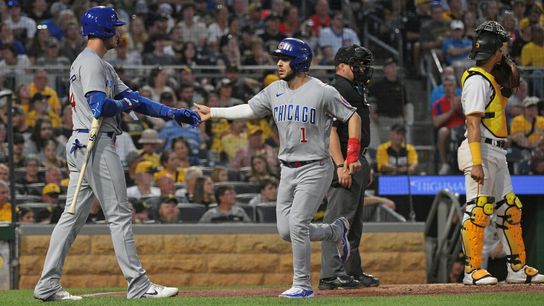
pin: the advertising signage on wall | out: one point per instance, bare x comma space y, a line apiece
431, 185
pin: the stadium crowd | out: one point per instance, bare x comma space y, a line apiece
170, 166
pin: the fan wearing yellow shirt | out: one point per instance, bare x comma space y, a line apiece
5, 207
40, 85
527, 129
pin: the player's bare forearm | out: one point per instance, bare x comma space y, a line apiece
474, 137
354, 126
473, 127
334, 147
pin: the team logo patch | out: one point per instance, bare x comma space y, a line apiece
285, 46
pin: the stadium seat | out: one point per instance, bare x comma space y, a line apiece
250, 210
244, 198
240, 187
266, 212
191, 212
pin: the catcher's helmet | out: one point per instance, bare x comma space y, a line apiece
299, 52
100, 21
491, 36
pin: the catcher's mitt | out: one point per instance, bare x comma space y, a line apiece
506, 73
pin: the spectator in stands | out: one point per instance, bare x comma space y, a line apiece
255, 146
144, 181
534, 16
221, 25
168, 211
321, 18
189, 54
52, 57
515, 107
204, 191
157, 23
527, 130
489, 11
158, 82
337, 35
38, 46
183, 152
229, 46
96, 215
137, 34
23, 97
3, 144
438, 92
258, 55
4, 172
26, 215
167, 186
532, 54
224, 88
260, 169
53, 23
53, 175
40, 85
389, 95
155, 54
412, 25
49, 156
510, 24
73, 42
31, 176
123, 56
455, 10
18, 150
236, 138
150, 143
23, 27
191, 175
449, 121
5, 206
19, 121
469, 21
42, 132
140, 212
170, 166
50, 194
65, 130
219, 174
39, 108
290, 22
268, 192
518, 44
225, 211
39, 11
8, 39
272, 35
456, 48
193, 136
434, 31
13, 67
193, 31
396, 156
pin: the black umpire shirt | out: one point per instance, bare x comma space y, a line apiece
356, 96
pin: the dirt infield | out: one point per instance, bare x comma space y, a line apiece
384, 290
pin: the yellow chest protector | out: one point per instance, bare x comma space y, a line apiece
494, 119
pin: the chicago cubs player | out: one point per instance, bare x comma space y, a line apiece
303, 108
482, 158
96, 91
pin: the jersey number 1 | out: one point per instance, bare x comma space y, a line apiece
303, 138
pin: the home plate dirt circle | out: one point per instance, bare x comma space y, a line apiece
383, 290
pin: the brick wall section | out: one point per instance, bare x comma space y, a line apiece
217, 260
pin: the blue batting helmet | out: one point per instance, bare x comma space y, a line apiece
299, 52
100, 21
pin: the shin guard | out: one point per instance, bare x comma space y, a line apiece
509, 221
472, 233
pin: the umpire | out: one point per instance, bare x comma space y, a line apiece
345, 196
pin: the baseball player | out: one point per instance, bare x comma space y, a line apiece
302, 108
96, 91
345, 196
482, 158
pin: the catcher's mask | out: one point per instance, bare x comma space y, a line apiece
359, 59
490, 38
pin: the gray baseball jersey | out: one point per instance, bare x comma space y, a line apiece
303, 116
89, 73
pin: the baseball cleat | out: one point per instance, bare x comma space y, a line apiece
61, 295
158, 291
524, 275
367, 280
339, 282
479, 277
342, 224
297, 293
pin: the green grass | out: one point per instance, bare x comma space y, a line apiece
24, 297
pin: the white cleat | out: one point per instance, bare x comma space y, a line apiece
158, 291
297, 293
524, 275
61, 295
479, 277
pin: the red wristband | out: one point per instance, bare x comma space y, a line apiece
354, 150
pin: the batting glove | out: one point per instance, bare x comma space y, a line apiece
185, 116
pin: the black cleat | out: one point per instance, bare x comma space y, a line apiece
367, 280
339, 282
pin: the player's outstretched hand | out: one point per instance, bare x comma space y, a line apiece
186, 116
204, 111
354, 167
477, 174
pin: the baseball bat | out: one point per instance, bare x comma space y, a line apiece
93, 133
